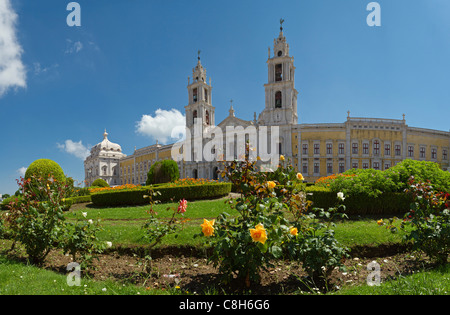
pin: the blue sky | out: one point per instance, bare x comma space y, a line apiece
65, 85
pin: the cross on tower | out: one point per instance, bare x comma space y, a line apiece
281, 24
199, 54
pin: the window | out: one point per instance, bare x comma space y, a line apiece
305, 168
341, 167
329, 168
329, 148
422, 152
398, 150
305, 149
341, 148
316, 148
278, 99
104, 168
365, 165
387, 149
387, 166
410, 151
434, 153
278, 72
206, 95
194, 95
316, 168
444, 154
194, 115
207, 118
279, 148
376, 147
365, 148
376, 165
355, 165
354, 148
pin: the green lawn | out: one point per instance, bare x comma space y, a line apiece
123, 225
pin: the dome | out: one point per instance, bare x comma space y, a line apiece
106, 146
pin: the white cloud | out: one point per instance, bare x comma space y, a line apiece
12, 70
22, 171
77, 149
164, 126
73, 47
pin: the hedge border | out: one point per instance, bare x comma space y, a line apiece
386, 203
134, 197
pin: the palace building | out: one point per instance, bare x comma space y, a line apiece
316, 150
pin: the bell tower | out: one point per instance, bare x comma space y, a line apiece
199, 95
281, 95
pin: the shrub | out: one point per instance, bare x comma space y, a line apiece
361, 204
163, 172
427, 224
135, 196
245, 244
45, 168
421, 171
80, 237
38, 225
99, 183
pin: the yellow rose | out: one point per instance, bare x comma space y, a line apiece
271, 184
293, 231
207, 227
281, 157
259, 234
300, 176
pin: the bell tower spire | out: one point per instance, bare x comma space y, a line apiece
199, 97
281, 95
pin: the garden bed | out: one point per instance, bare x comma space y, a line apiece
186, 269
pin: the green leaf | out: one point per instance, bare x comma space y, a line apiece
276, 251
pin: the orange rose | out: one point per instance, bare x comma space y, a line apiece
259, 234
207, 227
293, 231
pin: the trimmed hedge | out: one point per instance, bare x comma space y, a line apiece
361, 204
133, 197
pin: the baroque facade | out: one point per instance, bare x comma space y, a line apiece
316, 150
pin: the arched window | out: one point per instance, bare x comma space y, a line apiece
278, 103
194, 95
278, 72
206, 95
194, 115
104, 169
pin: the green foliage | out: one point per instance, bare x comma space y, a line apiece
163, 172
135, 196
316, 246
428, 222
99, 183
361, 204
38, 224
422, 171
45, 168
80, 238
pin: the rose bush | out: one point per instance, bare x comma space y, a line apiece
261, 232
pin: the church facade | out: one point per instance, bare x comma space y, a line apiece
315, 150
